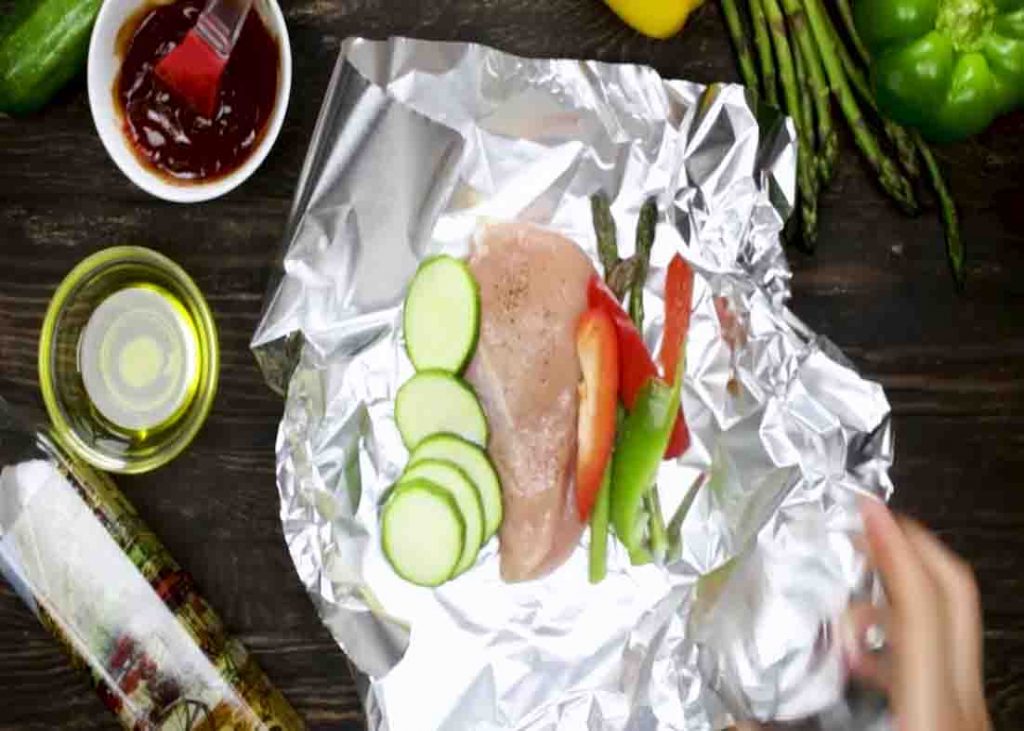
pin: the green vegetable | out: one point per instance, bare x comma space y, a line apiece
675, 525
43, 47
807, 41
807, 168
806, 55
806, 109
846, 13
450, 478
950, 220
646, 226
599, 529
947, 67
640, 555
901, 139
889, 175
422, 533
641, 444
741, 43
656, 522
910, 145
441, 319
604, 228
436, 402
473, 461
622, 275
764, 52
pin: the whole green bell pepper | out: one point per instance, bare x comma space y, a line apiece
947, 67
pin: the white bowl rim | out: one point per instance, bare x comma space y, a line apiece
108, 119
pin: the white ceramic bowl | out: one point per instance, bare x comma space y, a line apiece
104, 64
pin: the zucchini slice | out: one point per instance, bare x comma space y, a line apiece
422, 532
477, 466
464, 493
432, 402
442, 315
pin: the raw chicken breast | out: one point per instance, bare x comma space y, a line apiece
533, 289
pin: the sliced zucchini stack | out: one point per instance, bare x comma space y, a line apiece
475, 464
447, 503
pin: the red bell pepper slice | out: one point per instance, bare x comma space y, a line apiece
678, 300
597, 347
636, 366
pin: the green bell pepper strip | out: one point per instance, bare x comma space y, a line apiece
640, 555
598, 564
641, 444
658, 537
946, 67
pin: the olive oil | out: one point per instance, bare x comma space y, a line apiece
138, 356
128, 360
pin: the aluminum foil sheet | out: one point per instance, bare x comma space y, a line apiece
420, 143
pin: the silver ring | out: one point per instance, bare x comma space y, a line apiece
875, 638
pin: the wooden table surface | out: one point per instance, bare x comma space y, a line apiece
952, 365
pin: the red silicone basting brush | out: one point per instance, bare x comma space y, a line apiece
194, 68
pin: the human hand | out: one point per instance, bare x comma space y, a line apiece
931, 666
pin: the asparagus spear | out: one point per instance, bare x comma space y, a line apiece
807, 178
645, 227
764, 52
804, 89
950, 222
604, 228
645, 230
808, 208
889, 175
807, 52
906, 150
901, 139
846, 13
675, 525
734, 20
620, 278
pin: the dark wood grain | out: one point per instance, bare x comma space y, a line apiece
953, 365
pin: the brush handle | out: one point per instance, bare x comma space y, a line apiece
220, 23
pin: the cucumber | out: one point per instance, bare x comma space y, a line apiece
43, 47
475, 463
432, 402
422, 532
442, 315
464, 492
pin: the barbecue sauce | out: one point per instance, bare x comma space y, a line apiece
166, 133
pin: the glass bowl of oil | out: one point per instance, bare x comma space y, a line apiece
128, 360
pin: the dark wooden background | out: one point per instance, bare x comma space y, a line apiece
953, 365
